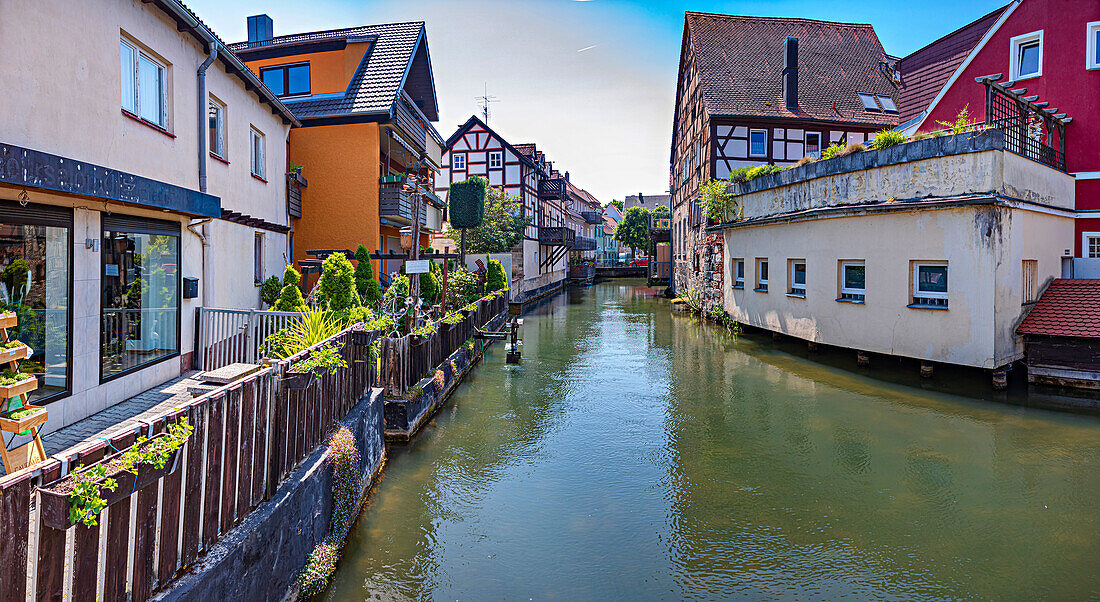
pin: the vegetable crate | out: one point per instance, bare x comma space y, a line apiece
14, 396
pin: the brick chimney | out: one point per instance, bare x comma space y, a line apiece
790, 73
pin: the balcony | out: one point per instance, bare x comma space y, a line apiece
395, 204
556, 236
584, 243
552, 188
294, 185
592, 217
659, 229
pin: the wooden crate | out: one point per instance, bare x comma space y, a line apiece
8, 320
16, 354
17, 426
19, 388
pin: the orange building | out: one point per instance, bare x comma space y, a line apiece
366, 98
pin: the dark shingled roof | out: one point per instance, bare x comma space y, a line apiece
740, 61
380, 75
1069, 307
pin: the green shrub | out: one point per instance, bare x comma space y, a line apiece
762, 170
338, 283
851, 149
887, 138
290, 298
962, 122
716, 201
831, 151
429, 286
496, 279
269, 291
461, 288
739, 174
370, 292
309, 329
466, 203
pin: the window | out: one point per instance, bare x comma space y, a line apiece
141, 312
796, 274
287, 80
813, 144
257, 153
458, 161
761, 275
144, 85
1090, 244
35, 249
1031, 280
217, 128
758, 143
1026, 59
738, 269
1092, 50
853, 281
887, 103
930, 284
868, 101
496, 159
698, 154
258, 259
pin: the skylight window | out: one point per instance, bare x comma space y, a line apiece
868, 101
887, 103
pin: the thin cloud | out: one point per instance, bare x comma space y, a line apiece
586, 47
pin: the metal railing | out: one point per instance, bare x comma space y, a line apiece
556, 236
584, 243
592, 217
396, 204
228, 336
1030, 128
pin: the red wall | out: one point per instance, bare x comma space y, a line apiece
1065, 83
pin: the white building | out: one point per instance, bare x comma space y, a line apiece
126, 178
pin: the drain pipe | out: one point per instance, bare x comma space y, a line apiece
207, 268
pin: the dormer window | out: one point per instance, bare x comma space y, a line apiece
868, 101
1026, 59
287, 80
887, 103
877, 103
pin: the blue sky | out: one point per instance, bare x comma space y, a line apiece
591, 81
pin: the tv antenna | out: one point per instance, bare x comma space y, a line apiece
484, 100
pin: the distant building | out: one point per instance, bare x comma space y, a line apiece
756, 90
647, 201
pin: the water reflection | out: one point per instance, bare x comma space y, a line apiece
639, 454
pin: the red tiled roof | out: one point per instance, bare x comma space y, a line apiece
1069, 307
740, 61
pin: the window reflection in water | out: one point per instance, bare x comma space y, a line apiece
140, 322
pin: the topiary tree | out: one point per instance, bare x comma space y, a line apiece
496, 279
290, 298
429, 286
338, 283
466, 205
269, 292
369, 289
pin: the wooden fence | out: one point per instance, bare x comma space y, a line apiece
248, 437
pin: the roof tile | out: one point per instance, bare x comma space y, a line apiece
1069, 307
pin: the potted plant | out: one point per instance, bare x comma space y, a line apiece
304, 373
8, 319
21, 419
13, 351
16, 383
82, 495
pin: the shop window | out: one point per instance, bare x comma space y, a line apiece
35, 283
853, 281
140, 321
929, 284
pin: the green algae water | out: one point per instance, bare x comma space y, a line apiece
638, 454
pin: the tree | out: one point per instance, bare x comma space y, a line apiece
633, 231
338, 283
496, 279
269, 292
369, 289
290, 298
501, 227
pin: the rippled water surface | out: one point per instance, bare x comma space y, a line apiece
637, 454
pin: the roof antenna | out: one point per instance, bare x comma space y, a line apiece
484, 101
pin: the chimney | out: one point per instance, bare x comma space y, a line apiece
259, 29
790, 73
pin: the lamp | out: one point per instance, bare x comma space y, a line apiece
406, 239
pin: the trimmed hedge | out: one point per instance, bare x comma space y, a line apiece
466, 203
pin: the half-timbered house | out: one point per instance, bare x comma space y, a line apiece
759, 90
539, 260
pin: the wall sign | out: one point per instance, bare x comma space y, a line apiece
419, 266
35, 169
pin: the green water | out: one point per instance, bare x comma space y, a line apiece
637, 454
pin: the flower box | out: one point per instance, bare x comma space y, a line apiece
14, 354
299, 381
24, 386
18, 425
9, 320
55, 496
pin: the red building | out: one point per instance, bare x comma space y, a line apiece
1049, 47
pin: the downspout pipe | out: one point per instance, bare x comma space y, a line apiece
203, 116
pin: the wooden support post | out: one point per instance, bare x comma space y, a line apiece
1000, 379
776, 335
926, 369
862, 358
812, 346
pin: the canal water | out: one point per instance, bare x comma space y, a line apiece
639, 454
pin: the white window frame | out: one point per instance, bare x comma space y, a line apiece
795, 288
765, 145
258, 161
761, 265
499, 159
138, 54
1092, 30
458, 161
806, 143
219, 151
1014, 46
739, 266
844, 265
917, 265
1085, 236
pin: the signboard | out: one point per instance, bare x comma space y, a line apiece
25, 456
35, 169
419, 266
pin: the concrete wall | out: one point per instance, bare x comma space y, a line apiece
261, 558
